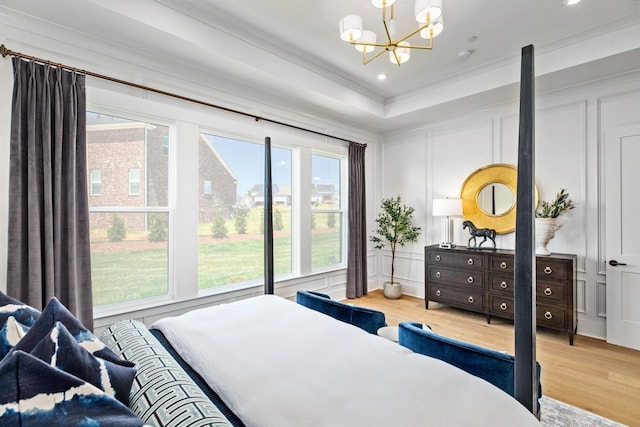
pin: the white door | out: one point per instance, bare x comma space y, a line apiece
622, 187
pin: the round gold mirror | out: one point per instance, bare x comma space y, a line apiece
489, 197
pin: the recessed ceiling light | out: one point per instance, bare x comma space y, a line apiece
570, 2
382, 76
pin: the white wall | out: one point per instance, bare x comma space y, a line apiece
433, 162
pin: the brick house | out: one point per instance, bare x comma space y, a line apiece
127, 166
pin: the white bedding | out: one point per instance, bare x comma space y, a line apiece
276, 363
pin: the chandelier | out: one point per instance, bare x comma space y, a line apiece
428, 14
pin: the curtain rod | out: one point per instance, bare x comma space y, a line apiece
5, 51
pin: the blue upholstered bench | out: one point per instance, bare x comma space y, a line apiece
493, 366
365, 318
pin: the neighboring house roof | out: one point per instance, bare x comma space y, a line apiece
258, 189
325, 188
218, 156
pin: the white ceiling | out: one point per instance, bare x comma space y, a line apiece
290, 49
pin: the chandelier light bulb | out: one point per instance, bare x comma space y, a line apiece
367, 37
380, 4
403, 54
351, 28
428, 9
433, 30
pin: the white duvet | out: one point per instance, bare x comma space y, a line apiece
276, 363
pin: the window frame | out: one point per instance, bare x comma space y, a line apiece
93, 182
185, 122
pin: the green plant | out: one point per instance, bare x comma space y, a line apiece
331, 220
219, 226
553, 209
277, 220
394, 227
116, 231
241, 220
158, 229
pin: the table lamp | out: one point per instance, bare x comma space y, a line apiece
447, 208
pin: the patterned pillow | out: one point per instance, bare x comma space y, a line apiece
56, 312
10, 334
162, 394
36, 394
23, 313
61, 350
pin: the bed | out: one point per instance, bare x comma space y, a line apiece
273, 362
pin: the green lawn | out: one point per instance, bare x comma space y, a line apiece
126, 275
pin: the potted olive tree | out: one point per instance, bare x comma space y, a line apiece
394, 227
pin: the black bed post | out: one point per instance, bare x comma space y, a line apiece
268, 219
526, 389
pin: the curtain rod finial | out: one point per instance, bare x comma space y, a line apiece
4, 51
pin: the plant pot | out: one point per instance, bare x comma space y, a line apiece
392, 290
545, 230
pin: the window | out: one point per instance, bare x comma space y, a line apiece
231, 226
181, 205
134, 181
326, 213
129, 236
96, 182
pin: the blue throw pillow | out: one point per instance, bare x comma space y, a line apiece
61, 350
34, 394
22, 312
10, 334
54, 312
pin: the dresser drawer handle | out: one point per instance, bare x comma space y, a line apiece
548, 292
438, 274
472, 300
438, 258
504, 285
548, 315
503, 306
470, 261
503, 265
548, 270
470, 279
438, 293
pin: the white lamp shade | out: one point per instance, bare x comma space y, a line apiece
428, 9
433, 30
367, 37
351, 28
382, 3
403, 54
447, 207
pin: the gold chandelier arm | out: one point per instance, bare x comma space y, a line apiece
395, 55
365, 61
416, 32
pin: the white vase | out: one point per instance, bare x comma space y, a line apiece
545, 230
392, 290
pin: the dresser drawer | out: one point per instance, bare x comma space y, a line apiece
501, 306
550, 269
456, 259
462, 278
552, 316
501, 263
501, 283
470, 299
554, 292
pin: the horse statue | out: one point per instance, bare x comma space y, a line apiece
486, 233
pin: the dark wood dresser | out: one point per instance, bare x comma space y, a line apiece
481, 280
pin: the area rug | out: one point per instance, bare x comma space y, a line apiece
554, 413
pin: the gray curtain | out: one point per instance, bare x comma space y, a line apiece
48, 252
357, 245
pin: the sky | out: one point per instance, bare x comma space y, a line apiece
246, 160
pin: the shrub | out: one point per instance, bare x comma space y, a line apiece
331, 220
240, 222
158, 229
219, 227
116, 231
277, 220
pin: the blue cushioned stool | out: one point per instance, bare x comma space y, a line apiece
493, 366
365, 318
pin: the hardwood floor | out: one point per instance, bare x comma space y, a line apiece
591, 374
